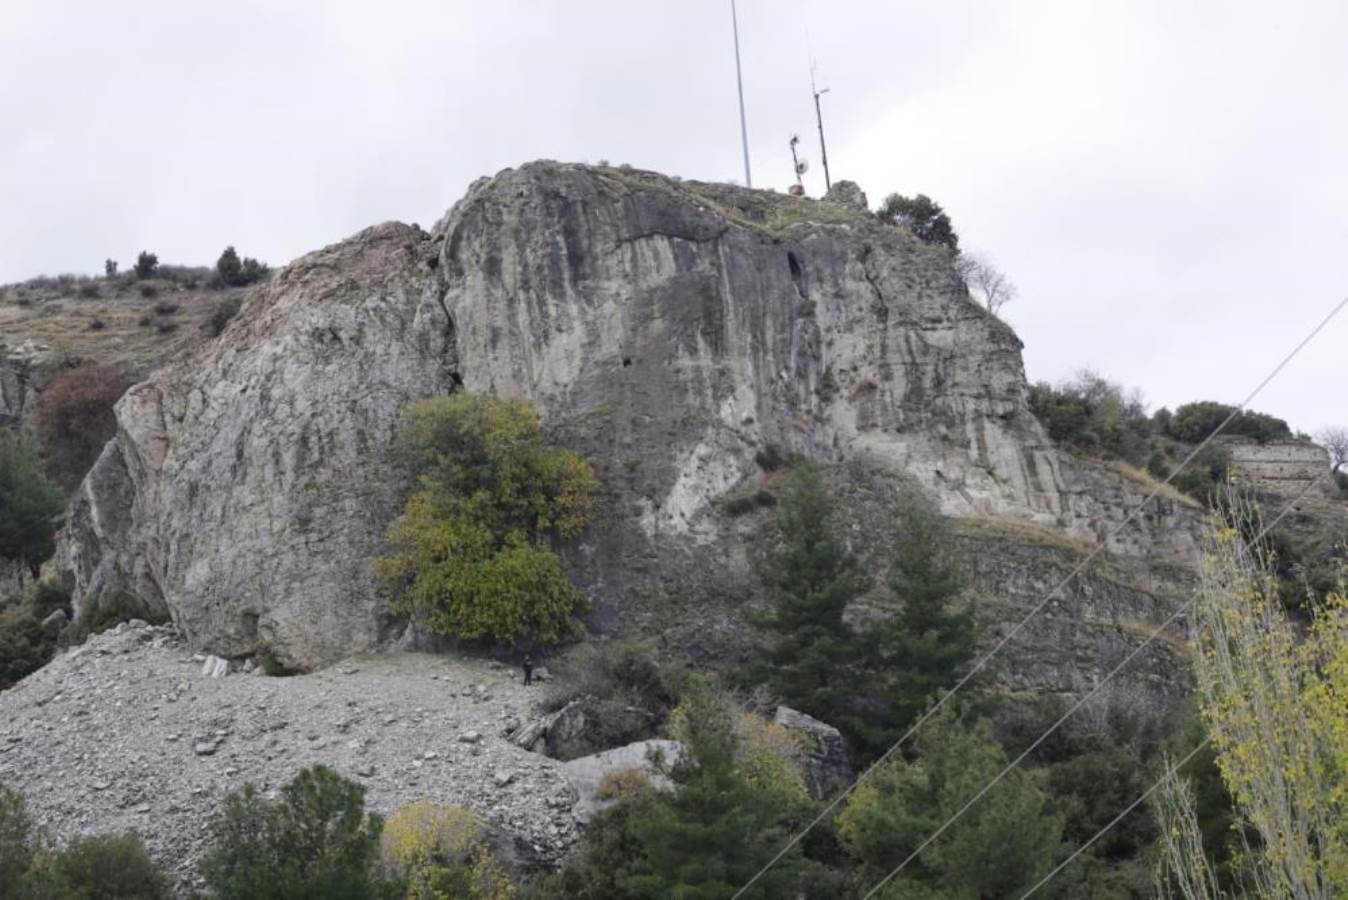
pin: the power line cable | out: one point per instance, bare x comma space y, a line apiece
1119, 818
1006, 638
1133, 654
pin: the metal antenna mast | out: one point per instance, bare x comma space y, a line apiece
739, 83
819, 117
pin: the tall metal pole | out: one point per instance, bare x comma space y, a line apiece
739, 83
819, 117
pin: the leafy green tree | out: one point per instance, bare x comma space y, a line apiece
812, 578
147, 264
474, 552
909, 657
999, 848
109, 267
316, 840
704, 840
923, 216
30, 506
1193, 422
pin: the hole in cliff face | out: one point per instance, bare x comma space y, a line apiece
797, 272
249, 622
627, 362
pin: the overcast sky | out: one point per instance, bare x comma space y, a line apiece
1167, 182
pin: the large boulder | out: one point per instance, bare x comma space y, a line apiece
827, 766
587, 773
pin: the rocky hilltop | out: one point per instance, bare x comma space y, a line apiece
679, 334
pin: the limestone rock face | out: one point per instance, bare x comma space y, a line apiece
679, 334
247, 487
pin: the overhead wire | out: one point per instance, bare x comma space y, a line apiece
983, 660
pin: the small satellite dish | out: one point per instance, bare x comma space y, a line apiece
802, 167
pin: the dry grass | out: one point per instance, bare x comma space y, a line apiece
137, 334
1143, 630
1020, 532
1145, 481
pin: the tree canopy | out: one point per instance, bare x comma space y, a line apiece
474, 552
30, 505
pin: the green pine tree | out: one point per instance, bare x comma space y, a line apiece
30, 505
908, 658
812, 578
702, 841
999, 848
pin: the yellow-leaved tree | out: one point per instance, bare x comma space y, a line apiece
474, 553
1275, 700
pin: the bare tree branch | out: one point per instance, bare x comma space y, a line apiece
1335, 440
986, 282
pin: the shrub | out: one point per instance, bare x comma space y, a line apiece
109, 267
166, 307
473, 551
24, 648
441, 851
111, 865
224, 311
75, 420
770, 458
89, 291
1093, 415
1204, 474
235, 272
626, 696
626, 783
146, 320
923, 216
166, 326
111, 610
16, 842
1157, 466
148, 290
146, 264
97, 324
30, 505
1193, 422
315, 840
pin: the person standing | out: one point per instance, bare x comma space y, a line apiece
528, 670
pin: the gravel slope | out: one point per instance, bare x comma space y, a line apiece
126, 732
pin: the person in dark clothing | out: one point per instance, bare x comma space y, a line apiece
528, 670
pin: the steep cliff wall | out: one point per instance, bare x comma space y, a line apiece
672, 331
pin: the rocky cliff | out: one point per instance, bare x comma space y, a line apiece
675, 332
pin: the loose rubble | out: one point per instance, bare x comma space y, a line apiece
131, 731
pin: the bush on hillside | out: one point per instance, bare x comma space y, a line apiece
1094, 416
474, 551
237, 272
75, 420
626, 695
89, 868
923, 216
442, 851
224, 311
1194, 422
147, 264
315, 840
105, 865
